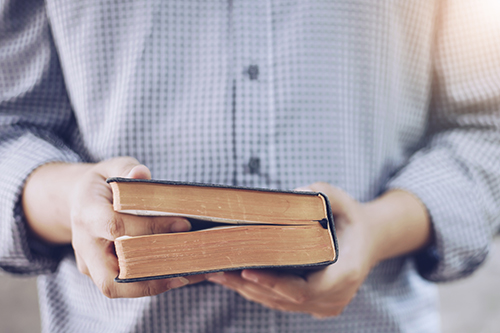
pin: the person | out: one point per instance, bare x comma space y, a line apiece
389, 108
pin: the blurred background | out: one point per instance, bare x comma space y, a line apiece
468, 306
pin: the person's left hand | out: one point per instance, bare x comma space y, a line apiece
324, 292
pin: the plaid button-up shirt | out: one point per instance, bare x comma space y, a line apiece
365, 95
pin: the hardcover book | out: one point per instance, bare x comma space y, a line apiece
233, 228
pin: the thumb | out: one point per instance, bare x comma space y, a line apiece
340, 201
124, 166
139, 172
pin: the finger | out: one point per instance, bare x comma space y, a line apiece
262, 295
315, 308
340, 201
137, 225
327, 311
104, 269
193, 279
231, 280
103, 222
336, 285
319, 287
125, 166
234, 281
264, 287
139, 172
270, 301
292, 287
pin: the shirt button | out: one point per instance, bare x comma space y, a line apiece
253, 72
253, 166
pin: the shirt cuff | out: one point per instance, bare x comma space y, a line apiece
461, 236
19, 253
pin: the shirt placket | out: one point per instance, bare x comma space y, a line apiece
252, 93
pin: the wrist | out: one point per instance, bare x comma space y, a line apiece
397, 223
46, 200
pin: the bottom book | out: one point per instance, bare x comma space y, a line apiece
267, 229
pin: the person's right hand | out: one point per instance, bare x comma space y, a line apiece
85, 214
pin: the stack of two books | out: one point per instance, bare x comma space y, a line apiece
233, 228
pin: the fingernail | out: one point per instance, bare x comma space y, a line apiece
178, 282
216, 277
247, 275
130, 173
139, 172
180, 226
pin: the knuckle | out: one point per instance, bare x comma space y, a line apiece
107, 290
303, 297
82, 268
272, 284
151, 289
115, 227
154, 226
301, 300
148, 290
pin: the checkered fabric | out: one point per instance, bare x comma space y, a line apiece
365, 95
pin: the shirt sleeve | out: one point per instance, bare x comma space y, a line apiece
37, 126
457, 172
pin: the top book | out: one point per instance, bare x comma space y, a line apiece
234, 228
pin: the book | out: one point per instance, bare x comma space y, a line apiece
233, 228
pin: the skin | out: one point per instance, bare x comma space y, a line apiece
71, 203
392, 225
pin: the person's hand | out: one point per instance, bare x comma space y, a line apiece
95, 226
82, 205
324, 292
367, 233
